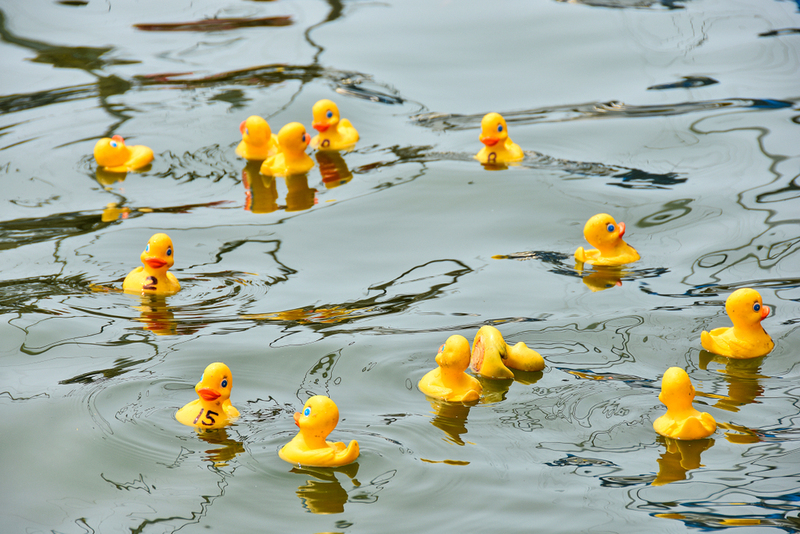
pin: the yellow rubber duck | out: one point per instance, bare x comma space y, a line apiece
258, 142
604, 233
449, 381
499, 146
492, 356
746, 338
334, 133
154, 277
291, 157
681, 421
309, 448
112, 155
213, 409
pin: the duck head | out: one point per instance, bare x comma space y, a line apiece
158, 254
745, 308
216, 383
255, 130
677, 391
319, 417
454, 354
111, 152
293, 137
493, 129
326, 115
603, 232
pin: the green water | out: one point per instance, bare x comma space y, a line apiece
346, 285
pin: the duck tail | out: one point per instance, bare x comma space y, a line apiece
523, 358
580, 255
706, 341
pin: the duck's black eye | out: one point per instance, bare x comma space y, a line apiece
329, 114
247, 131
756, 307
224, 383
169, 252
499, 127
610, 227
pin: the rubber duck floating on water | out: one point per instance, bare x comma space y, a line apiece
681, 421
746, 338
492, 356
334, 133
604, 233
499, 147
292, 157
258, 142
213, 409
449, 381
154, 277
309, 448
114, 156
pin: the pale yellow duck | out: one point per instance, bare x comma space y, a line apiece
746, 338
499, 147
334, 133
492, 356
449, 381
258, 142
154, 277
291, 158
604, 233
681, 421
113, 155
213, 409
319, 417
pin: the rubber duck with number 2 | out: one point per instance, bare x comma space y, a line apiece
603, 232
746, 338
292, 157
213, 409
113, 155
334, 133
499, 149
449, 381
309, 448
154, 278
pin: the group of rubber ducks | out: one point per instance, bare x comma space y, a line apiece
490, 356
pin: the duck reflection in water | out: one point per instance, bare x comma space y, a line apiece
299, 196
157, 316
326, 494
107, 178
333, 169
742, 377
600, 277
679, 457
260, 193
228, 447
451, 418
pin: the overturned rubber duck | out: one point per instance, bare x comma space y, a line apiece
499, 147
604, 233
309, 448
258, 142
681, 421
291, 158
334, 133
154, 277
492, 356
112, 155
213, 409
746, 338
449, 381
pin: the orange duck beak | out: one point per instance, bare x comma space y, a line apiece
321, 126
765, 312
489, 141
297, 419
621, 226
208, 394
155, 263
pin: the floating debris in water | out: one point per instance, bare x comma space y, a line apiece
215, 25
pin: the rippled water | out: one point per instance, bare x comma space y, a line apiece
678, 117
